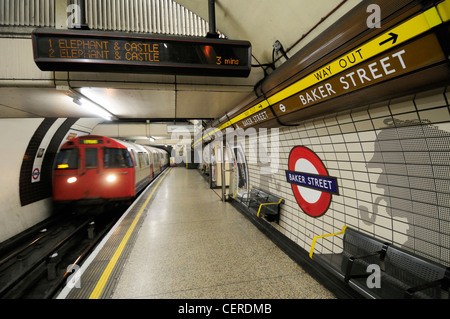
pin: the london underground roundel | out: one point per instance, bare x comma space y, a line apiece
312, 186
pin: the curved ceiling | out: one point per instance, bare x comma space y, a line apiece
131, 96
263, 22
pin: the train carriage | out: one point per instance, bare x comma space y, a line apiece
98, 169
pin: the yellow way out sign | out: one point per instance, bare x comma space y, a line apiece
398, 35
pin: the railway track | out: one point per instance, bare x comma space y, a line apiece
37, 264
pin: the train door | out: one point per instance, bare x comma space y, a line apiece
90, 171
142, 170
136, 166
157, 163
151, 154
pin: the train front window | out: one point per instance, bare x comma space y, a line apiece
90, 160
116, 158
67, 159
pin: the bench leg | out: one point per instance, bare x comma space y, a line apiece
349, 266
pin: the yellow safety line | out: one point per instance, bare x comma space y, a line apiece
405, 31
260, 206
321, 236
107, 272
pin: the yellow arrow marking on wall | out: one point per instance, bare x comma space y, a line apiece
393, 37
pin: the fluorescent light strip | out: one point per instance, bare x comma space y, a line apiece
92, 106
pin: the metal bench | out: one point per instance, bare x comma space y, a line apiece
408, 276
264, 203
359, 251
402, 274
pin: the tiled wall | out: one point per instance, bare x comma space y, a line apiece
392, 162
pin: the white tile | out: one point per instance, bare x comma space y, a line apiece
402, 105
380, 110
430, 99
435, 115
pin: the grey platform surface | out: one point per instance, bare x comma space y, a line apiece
192, 245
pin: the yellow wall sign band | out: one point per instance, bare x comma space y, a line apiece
384, 42
391, 38
398, 35
444, 10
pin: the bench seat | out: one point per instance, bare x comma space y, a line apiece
263, 203
402, 275
408, 276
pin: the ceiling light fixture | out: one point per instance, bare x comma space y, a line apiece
91, 106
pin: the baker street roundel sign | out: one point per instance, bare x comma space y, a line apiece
312, 186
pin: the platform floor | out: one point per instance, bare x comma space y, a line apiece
189, 244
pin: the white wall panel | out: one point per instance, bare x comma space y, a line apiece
13, 217
27, 13
20, 65
393, 180
150, 16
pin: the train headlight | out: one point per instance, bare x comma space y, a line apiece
71, 180
111, 178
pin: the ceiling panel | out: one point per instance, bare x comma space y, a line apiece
152, 96
7, 111
129, 103
40, 102
262, 22
206, 104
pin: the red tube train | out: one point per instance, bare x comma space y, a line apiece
96, 169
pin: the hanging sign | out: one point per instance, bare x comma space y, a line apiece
312, 186
97, 51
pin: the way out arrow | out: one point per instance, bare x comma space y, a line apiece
393, 37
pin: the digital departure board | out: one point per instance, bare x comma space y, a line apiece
97, 51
